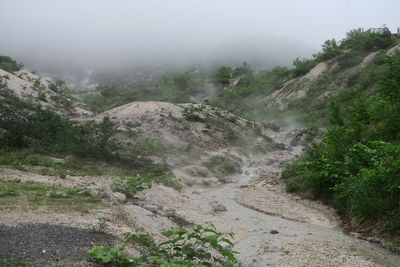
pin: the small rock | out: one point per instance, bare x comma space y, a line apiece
93, 193
225, 246
356, 235
243, 185
116, 189
168, 213
373, 240
138, 203
288, 148
274, 232
217, 207
268, 161
118, 197
222, 180
57, 160
274, 249
195, 192
213, 181
151, 208
106, 194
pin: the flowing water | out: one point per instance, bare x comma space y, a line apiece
262, 248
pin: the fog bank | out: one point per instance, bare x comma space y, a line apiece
98, 34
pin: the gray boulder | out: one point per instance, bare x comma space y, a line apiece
118, 197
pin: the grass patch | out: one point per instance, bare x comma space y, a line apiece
25, 159
32, 196
223, 165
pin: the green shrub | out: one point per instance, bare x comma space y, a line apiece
302, 66
198, 246
45, 131
350, 59
191, 113
356, 165
146, 147
131, 185
38, 160
10, 65
362, 41
372, 189
330, 49
223, 75
168, 180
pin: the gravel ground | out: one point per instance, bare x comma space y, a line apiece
344, 255
48, 245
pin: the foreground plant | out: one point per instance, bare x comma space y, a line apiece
198, 246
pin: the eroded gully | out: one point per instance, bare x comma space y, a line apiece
263, 248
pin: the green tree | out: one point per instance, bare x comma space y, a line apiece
330, 49
302, 66
223, 75
244, 69
365, 41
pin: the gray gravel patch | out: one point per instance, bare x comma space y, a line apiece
47, 244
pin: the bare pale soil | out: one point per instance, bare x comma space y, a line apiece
272, 228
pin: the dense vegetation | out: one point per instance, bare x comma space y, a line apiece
357, 164
248, 97
44, 131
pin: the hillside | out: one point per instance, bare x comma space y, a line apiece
189, 160
31, 89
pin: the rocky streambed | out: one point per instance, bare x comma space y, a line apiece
282, 229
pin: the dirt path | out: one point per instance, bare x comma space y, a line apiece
283, 230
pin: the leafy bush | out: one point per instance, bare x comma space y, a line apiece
223, 75
10, 65
330, 49
131, 185
45, 131
302, 66
350, 59
362, 41
372, 189
356, 165
199, 246
191, 113
168, 180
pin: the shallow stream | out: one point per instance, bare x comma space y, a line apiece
262, 248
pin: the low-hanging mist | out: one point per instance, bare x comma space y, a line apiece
71, 36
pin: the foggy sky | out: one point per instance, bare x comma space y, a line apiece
109, 34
